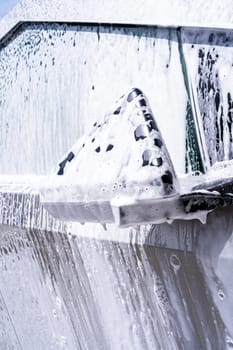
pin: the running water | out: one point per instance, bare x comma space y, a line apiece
161, 287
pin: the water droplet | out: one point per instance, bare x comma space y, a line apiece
109, 148
221, 294
106, 254
63, 342
146, 157
117, 111
158, 143
229, 342
58, 303
134, 329
175, 262
157, 162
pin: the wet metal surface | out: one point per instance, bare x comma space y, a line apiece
68, 286
64, 291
